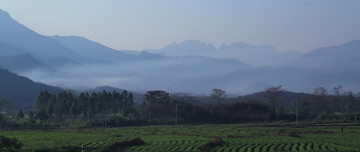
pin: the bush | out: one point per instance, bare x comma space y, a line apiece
115, 120
120, 146
211, 145
9, 144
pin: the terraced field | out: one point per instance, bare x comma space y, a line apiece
236, 137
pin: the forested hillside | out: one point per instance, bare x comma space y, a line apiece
21, 90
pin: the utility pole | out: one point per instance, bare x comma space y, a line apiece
297, 115
346, 112
355, 117
277, 116
106, 109
176, 115
150, 117
211, 116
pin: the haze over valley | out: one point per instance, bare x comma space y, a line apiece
194, 66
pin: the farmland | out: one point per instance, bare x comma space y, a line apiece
236, 137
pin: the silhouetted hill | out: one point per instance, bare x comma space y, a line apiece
21, 90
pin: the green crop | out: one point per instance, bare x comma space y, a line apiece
236, 137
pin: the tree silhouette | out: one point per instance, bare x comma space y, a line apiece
218, 95
273, 93
321, 95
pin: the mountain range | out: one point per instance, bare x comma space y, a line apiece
190, 66
250, 54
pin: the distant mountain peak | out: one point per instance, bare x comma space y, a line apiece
238, 44
242, 45
192, 41
188, 47
196, 43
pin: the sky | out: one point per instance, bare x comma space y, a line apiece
301, 25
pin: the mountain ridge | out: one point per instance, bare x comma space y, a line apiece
26, 39
250, 54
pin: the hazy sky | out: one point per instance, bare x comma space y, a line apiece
300, 25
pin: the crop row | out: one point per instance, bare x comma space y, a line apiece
191, 145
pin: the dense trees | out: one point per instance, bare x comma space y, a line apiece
85, 106
166, 106
107, 109
156, 97
158, 106
9, 144
20, 114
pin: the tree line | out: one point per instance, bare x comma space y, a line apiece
320, 105
85, 106
96, 109
162, 107
111, 109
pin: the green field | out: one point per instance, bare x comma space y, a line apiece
237, 137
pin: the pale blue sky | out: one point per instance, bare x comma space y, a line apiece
300, 25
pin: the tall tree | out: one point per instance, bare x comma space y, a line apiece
218, 95
20, 114
157, 97
157, 105
43, 101
321, 95
338, 90
273, 93
348, 102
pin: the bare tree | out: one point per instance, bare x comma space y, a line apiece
273, 93
338, 90
321, 95
348, 102
218, 95
338, 97
183, 106
181, 97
